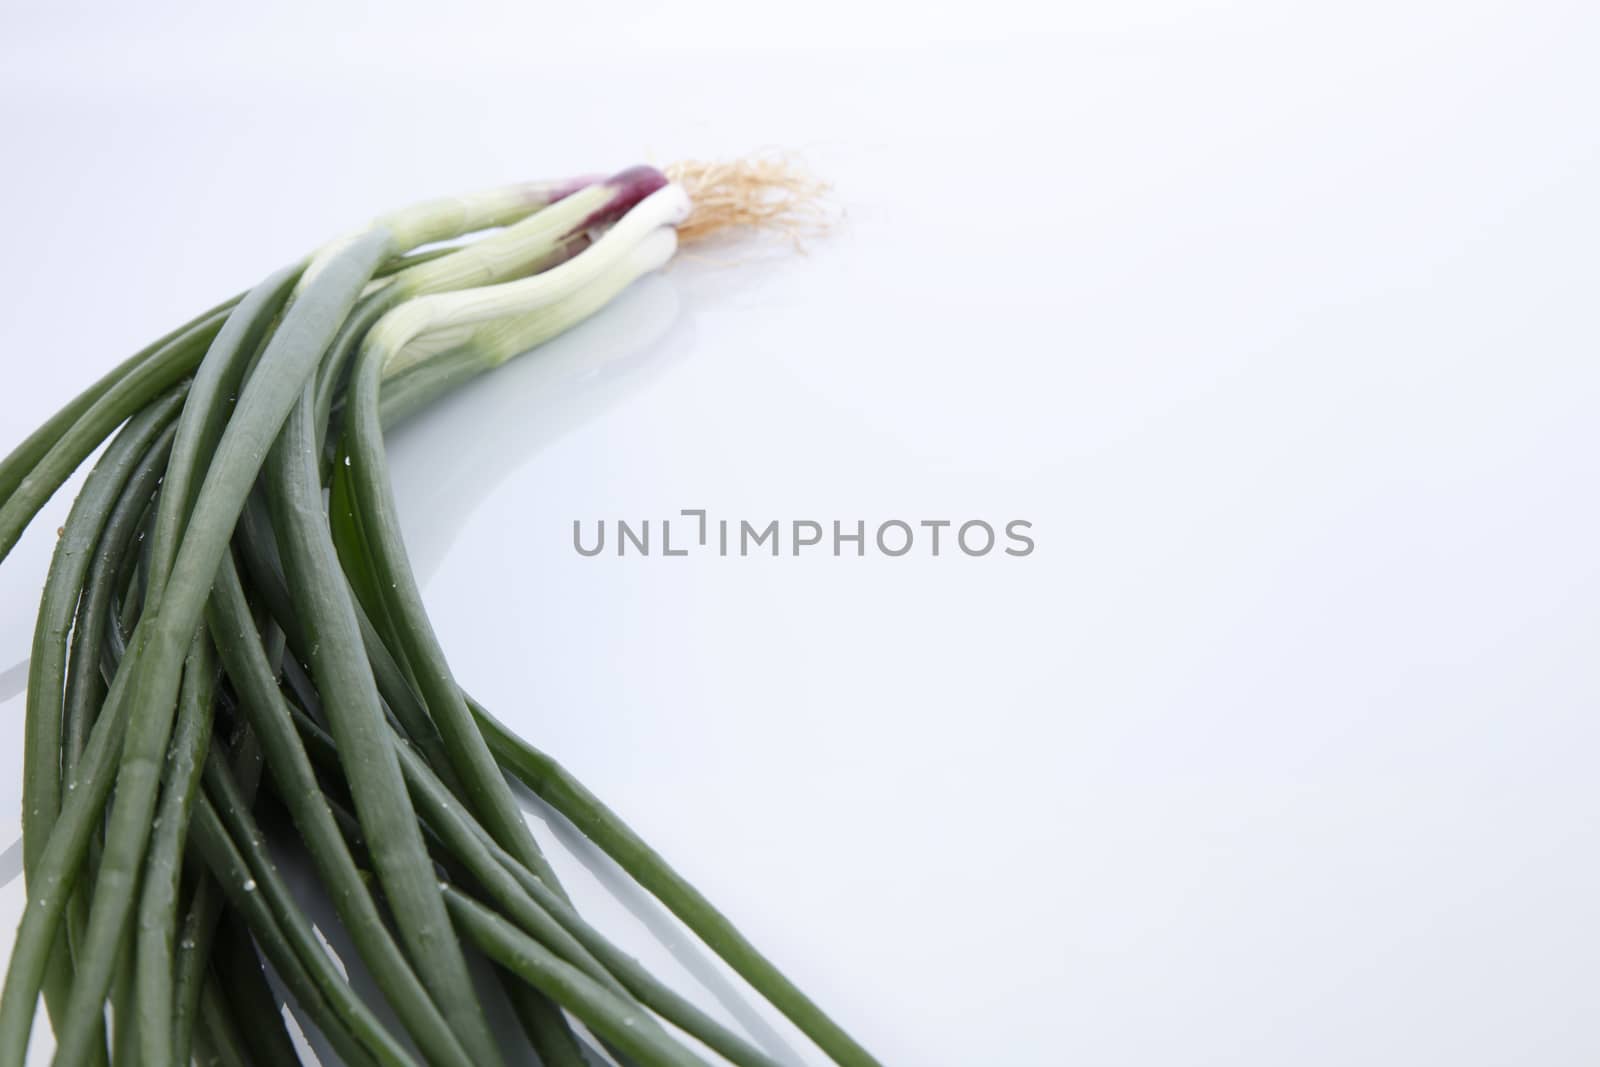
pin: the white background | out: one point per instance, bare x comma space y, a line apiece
1277, 321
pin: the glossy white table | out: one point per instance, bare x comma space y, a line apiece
1278, 328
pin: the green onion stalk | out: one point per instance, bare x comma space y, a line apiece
230, 619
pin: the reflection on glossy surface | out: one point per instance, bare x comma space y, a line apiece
666, 929
296, 865
451, 456
10, 863
13, 680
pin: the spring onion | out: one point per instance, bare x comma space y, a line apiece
230, 618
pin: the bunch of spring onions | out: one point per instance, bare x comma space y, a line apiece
230, 628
